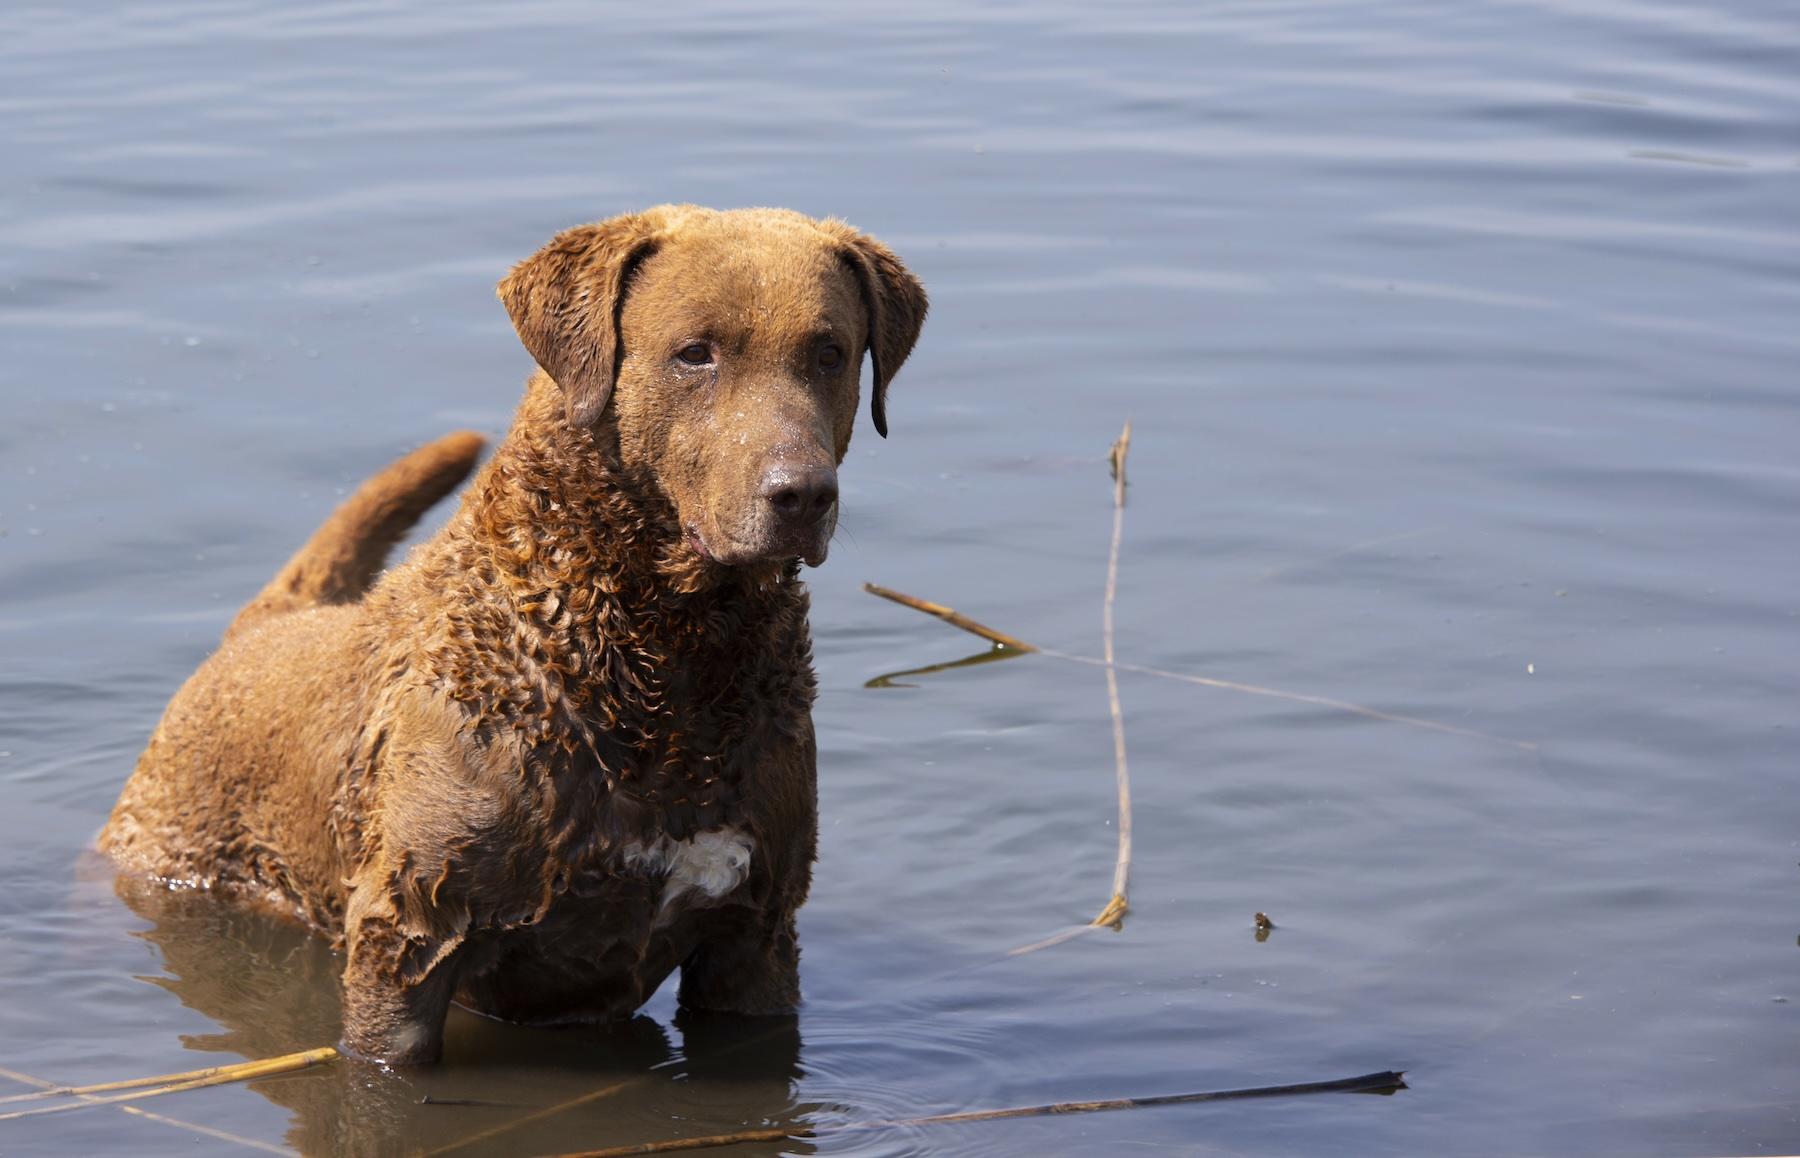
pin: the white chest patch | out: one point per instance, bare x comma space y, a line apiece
711, 863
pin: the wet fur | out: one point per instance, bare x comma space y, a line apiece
520, 769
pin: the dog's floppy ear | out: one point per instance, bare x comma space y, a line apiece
895, 303
565, 301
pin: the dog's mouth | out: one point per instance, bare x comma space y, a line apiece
789, 543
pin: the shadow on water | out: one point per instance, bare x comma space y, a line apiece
988, 655
273, 988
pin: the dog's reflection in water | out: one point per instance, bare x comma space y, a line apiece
274, 988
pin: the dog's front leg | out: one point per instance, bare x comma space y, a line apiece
397, 989
748, 961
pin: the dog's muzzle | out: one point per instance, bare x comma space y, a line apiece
801, 508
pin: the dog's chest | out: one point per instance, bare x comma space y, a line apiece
644, 759
685, 738
704, 867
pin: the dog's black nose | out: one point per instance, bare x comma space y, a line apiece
801, 494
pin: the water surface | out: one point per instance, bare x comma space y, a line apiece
1459, 342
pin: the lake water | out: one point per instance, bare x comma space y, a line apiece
1459, 342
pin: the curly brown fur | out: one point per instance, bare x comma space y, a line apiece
523, 770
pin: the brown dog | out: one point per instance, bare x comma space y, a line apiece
567, 746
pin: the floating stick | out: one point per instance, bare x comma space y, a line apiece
50, 1088
1059, 938
583, 1099
1323, 701
1113, 915
50, 1091
989, 633
175, 1083
222, 1135
1385, 1082
950, 616
537, 1115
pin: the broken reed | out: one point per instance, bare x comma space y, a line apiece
170, 1083
1386, 1082
1114, 913
950, 616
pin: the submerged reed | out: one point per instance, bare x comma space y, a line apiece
1386, 1082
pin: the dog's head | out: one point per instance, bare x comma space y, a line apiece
725, 349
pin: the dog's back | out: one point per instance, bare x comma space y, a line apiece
240, 758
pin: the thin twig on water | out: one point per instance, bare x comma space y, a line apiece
950, 616
220, 1073
217, 1076
1113, 915
989, 633
1386, 1082
538, 1115
595, 1095
1322, 701
209, 1131
51, 1089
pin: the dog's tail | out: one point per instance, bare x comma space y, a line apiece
342, 558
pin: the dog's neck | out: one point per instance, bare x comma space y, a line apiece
594, 589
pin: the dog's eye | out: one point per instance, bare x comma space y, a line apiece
831, 357
695, 354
